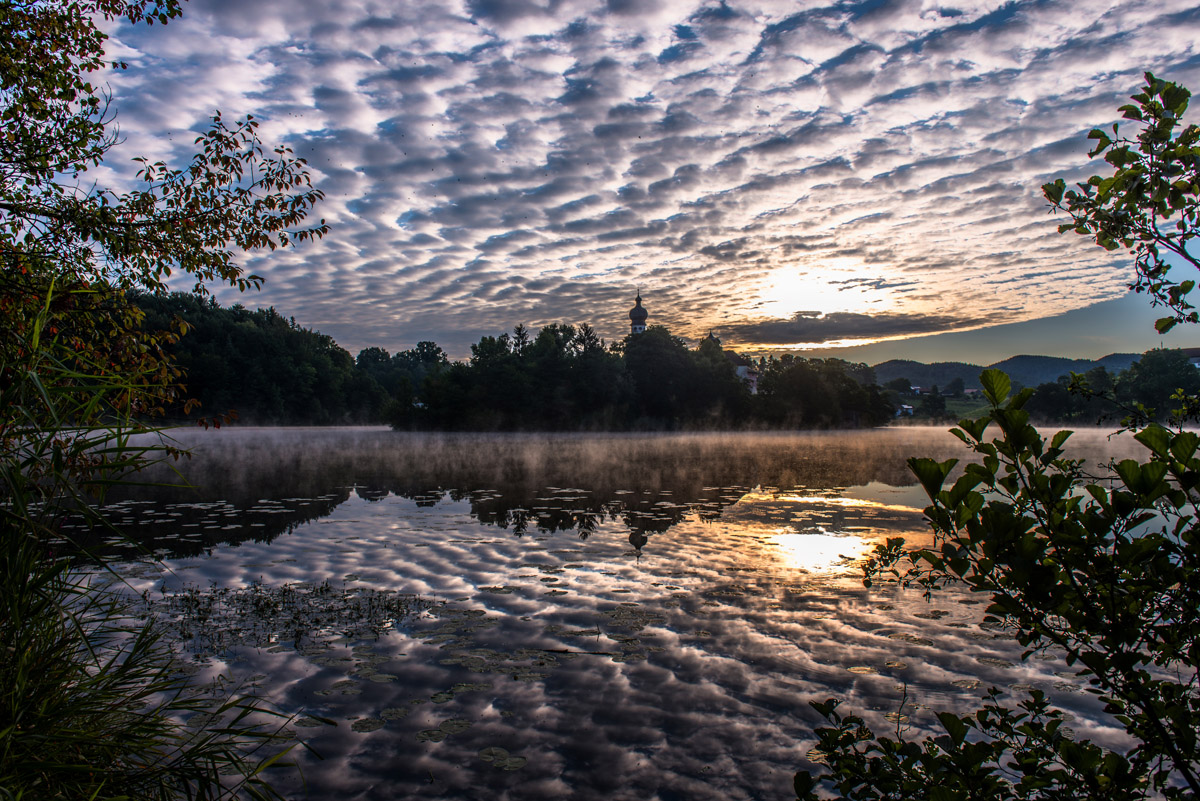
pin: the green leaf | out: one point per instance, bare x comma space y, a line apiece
1021, 398
1175, 98
1054, 191
954, 726
1130, 472
932, 474
1164, 324
1184, 444
996, 385
804, 784
1102, 142
1156, 438
1130, 112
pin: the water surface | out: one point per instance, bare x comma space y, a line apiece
536, 616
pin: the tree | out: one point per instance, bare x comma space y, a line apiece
90, 707
819, 392
1053, 400
235, 196
520, 338
75, 247
1106, 570
720, 394
932, 404
901, 385
1122, 601
373, 360
956, 387
267, 367
1150, 389
1150, 205
1153, 380
659, 366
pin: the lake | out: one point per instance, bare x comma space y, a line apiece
552, 616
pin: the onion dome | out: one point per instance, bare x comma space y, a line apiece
637, 314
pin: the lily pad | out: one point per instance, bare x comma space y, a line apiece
904, 636
467, 687
431, 735
499, 757
367, 724
493, 753
307, 723
995, 662
933, 614
454, 725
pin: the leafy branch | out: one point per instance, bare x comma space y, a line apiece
1150, 205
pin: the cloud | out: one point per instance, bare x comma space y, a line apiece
814, 327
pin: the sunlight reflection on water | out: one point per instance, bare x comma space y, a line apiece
819, 551
600, 617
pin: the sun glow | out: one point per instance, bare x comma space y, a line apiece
821, 288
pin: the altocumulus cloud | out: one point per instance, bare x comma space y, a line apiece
491, 162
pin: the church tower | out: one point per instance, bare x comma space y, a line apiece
637, 316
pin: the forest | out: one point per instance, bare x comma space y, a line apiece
262, 368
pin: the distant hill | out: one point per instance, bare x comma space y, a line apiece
1116, 362
926, 375
1025, 370
1033, 370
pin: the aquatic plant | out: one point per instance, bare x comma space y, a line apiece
213, 620
92, 704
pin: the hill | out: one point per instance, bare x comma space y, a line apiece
1028, 371
1031, 371
926, 375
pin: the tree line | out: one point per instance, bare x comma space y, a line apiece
1152, 388
267, 369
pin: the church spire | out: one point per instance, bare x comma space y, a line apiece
637, 315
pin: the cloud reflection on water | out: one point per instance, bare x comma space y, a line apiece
681, 668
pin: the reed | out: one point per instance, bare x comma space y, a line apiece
93, 702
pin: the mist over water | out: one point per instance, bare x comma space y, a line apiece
549, 616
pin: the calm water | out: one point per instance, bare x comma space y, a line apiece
534, 617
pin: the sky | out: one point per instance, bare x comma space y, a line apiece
789, 175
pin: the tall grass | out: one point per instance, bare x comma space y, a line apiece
93, 704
